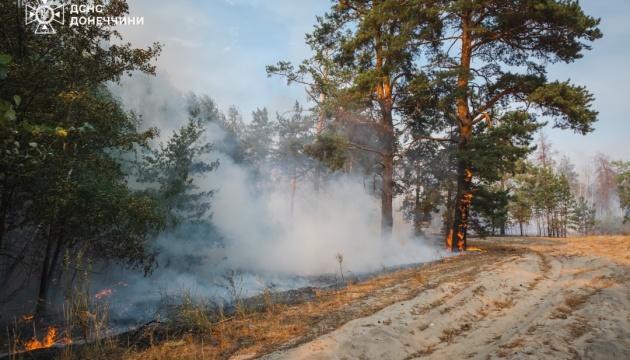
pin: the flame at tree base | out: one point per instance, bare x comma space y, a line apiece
449, 241
48, 341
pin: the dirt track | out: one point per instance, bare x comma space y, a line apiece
544, 299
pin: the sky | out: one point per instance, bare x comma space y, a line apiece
221, 47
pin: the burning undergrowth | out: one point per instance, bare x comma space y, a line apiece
274, 237
111, 314
272, 240
192, 326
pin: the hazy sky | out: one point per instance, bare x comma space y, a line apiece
220, 48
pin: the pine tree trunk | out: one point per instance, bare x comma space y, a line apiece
503, 220
293, 190
417, 225
317, 175
456, 240
320, 127
387, 196
42, 296
5, 202
458, 236
385, 100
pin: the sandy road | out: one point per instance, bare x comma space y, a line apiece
565, 299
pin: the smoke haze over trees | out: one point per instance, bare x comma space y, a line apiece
401, 138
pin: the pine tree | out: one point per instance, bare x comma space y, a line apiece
495, 53
582, 218
496, 152
520, 205
294, 133
623, 187
258, 144
376, 41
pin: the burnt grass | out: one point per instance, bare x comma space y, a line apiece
282, 320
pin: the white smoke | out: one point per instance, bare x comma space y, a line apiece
263, 238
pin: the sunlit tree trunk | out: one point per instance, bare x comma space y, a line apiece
456, 240
385, 100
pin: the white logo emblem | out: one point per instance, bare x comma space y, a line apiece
44, 14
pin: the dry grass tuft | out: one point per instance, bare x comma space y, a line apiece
579, 328
421, 353
532, 328
561, 312
498, 304
516, 343
575, 301
572, 302
449, 335
496, 337
479, 290
446, 309
502, 353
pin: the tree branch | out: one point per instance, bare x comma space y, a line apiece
365, 148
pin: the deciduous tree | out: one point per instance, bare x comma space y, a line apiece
68, 129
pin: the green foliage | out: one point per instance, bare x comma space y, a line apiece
258, 142
330, 149
569, 105
63, 181
520, 207
375, 48
623, 187
494, 151
4, 64
171, 171
495, 55
234, 143
582, 217
489, 209
7, 112
545, 196
426, 183
294, 133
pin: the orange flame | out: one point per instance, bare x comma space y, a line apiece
48, 341
25, 319
104, 293
449, 241
460, 241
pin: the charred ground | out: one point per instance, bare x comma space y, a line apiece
516, 298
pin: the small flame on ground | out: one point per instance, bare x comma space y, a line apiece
103, 293
472, 248
25, 319
106, 293
48, 341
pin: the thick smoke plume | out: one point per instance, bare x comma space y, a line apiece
262, 235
